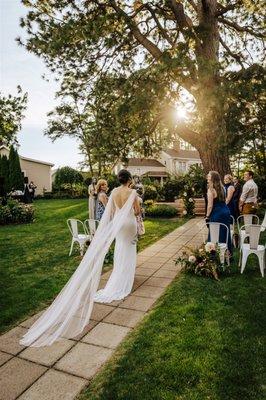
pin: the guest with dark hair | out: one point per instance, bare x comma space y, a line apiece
26, 195
237, 194
249, 196
229, 194
32, 188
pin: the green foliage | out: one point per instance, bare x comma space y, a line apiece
67, 175
112, 181
160, 211
16, 181
16, 213
150, 192
11, 114
4, 172
171, 188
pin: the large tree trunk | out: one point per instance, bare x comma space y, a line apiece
211, 142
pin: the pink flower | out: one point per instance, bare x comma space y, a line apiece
192, 259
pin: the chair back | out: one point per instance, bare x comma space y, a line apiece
232, 223
214, 228
263, 225
73, 225
247, 219
254, 236
91, 226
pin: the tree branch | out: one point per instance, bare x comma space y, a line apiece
237, 57
240, 28
223, 9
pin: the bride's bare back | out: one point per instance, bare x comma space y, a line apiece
121, 195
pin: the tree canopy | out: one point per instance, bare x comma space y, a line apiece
11, 114
188, 45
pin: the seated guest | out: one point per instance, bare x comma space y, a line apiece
229, 194
237, 194
102, 199
249, 196
217, 210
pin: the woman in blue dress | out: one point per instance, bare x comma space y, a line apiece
229, 194
217, 210
102, 199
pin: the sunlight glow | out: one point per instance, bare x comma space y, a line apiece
181, 112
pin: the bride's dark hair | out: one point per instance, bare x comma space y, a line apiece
124, 176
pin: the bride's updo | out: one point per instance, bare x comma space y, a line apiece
124, 176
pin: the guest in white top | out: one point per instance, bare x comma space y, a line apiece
249, 196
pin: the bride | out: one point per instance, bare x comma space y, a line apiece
70, 312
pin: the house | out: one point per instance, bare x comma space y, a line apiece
179, 158
171, 161
37, 171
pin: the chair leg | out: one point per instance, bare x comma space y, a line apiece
222, 256
244, 260
261, 258
71, 247
227, 256
81, 246
240, 255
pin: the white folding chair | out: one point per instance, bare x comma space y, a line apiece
214, 229
80, 238
253, 247
90, 226
248, 219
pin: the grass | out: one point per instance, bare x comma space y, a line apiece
205, 340
34, 257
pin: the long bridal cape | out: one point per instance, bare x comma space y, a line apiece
70, 312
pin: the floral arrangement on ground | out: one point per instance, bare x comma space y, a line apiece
204, 261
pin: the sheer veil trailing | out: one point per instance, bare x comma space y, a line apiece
70, 312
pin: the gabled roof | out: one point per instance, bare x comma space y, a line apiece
29, 159
156, 173
144, 162
189, 154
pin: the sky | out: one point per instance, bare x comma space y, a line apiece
19, 67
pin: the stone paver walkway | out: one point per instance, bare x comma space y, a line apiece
61, 371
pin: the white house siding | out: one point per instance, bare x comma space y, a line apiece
141, 170
39, 173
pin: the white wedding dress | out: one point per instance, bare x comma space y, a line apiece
70, 312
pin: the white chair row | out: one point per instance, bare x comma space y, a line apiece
81, 232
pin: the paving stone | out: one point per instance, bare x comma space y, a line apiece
30, 321
170, 266
165, 273
100, 311
4, 357
138, 280
146, 271
9, 342
87, 329
160, 282
106, 335
138, 303
55, 385
154, 264
47, 355
148, 266
124, 317
149, 291
84, 360
16, 376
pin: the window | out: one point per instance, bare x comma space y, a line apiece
181, 166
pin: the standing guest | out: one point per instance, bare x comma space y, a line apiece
237, 194
204, 193
102, 199
217, 210
92, 198
26, 194
249, 196
32, 188
229, 194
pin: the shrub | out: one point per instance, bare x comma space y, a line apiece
150, 192
161, 210
171, 189
67, 175
16, 213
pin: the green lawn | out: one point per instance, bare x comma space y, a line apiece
205, 340
34, 257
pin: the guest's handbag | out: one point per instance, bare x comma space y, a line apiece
140, 225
